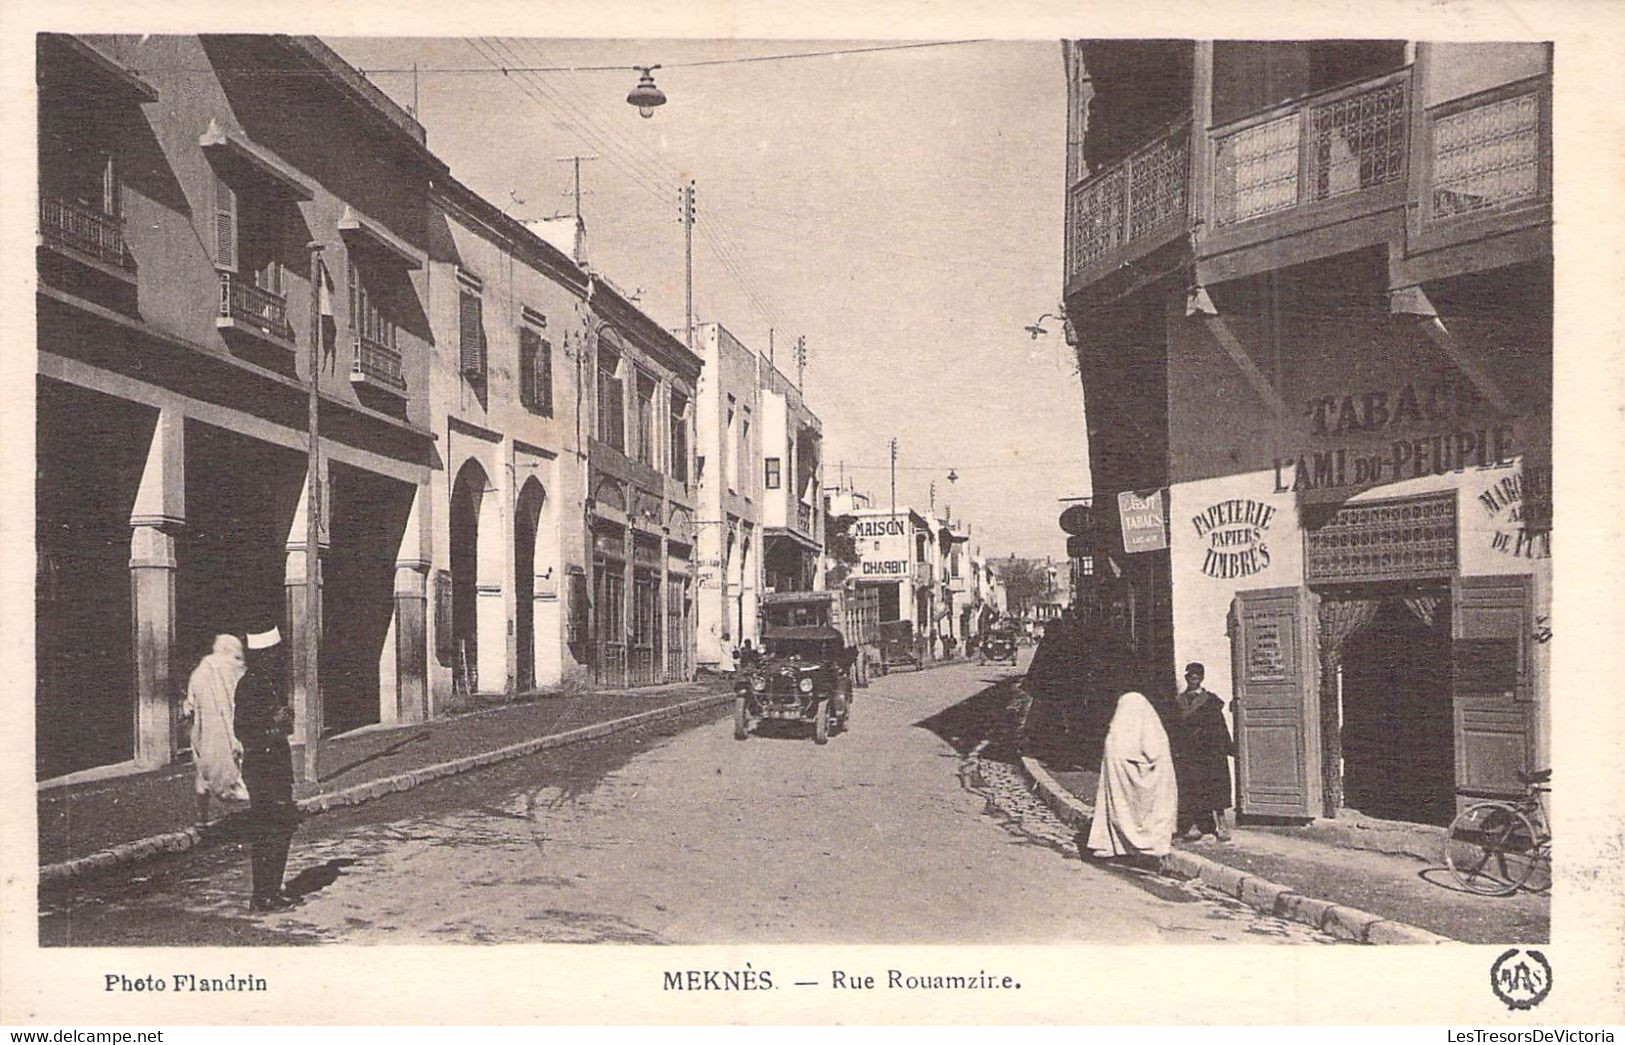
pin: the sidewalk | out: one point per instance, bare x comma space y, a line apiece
84, 828
1303, 874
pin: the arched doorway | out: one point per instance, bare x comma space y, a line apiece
478, 622
536, 610
730, 596
747, 593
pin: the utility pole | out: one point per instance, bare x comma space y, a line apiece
933, 497
577, 161
894, 475
686, 197
770, 345
313, 528
801, 361
415, 91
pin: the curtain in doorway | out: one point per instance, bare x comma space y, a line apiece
1426, 608
1339, 619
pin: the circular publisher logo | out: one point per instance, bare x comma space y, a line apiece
1521, 978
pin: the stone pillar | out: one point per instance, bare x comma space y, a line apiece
662, 600
305, 703
158, 515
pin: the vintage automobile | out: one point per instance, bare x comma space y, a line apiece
999, 646
804, 675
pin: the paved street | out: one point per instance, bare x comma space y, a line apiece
910, 828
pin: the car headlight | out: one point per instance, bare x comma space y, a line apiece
805, 685
758, 683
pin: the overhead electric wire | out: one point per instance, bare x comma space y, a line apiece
624, 67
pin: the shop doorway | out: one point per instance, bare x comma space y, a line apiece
1393, 748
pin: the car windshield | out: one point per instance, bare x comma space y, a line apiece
804, 649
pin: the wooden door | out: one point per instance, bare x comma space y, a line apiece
1491, 688
1277, 708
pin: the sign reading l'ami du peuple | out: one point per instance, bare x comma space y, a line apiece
1144, 518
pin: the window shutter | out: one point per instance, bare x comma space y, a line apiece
527, 368
225, 225
472, 336
544, 376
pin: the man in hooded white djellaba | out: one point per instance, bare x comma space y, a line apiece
1137, 803
211, 704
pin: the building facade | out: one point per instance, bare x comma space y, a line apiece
642, 495
503, 527
792, 486
1309, 286
729, 430
178, 304
506, 489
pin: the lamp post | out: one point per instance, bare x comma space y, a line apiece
313, 523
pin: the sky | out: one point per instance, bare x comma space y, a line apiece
900, 209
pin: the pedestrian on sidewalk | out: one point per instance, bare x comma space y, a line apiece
211, 705
1202, 747
1137, 801
264, 721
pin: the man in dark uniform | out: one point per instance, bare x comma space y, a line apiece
1202, 749
263, 722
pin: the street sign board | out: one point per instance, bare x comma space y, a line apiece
1145, 520
1075, 520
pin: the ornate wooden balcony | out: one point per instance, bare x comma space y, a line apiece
84, 231
1124, 211
1485, 176
377, 364
244, 306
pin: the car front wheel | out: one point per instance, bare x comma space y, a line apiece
821, 723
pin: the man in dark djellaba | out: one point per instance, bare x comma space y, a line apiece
1202, 747
263, 722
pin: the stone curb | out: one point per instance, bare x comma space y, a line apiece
178, 841
1261, 894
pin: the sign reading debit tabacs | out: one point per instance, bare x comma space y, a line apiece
1144, 517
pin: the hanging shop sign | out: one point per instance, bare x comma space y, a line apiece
1233, 533
1075, 520
1144, 518
1514, 506
1406, 538
1366, 438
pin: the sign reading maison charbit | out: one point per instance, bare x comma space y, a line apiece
1145, 520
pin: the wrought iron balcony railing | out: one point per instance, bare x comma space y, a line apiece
379, 362
80, 228
1311, 150
241, 300
1136, 199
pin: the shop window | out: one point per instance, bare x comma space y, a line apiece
771, 477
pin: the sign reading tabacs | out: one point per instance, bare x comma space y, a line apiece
1145, 520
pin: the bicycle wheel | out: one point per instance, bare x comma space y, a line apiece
1491, 849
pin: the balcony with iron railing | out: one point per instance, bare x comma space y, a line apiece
1127, 209
87, 232
254, 310
378, 365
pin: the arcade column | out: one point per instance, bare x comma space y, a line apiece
158, 516
305, 703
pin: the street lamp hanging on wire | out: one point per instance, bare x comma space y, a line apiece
646, 96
